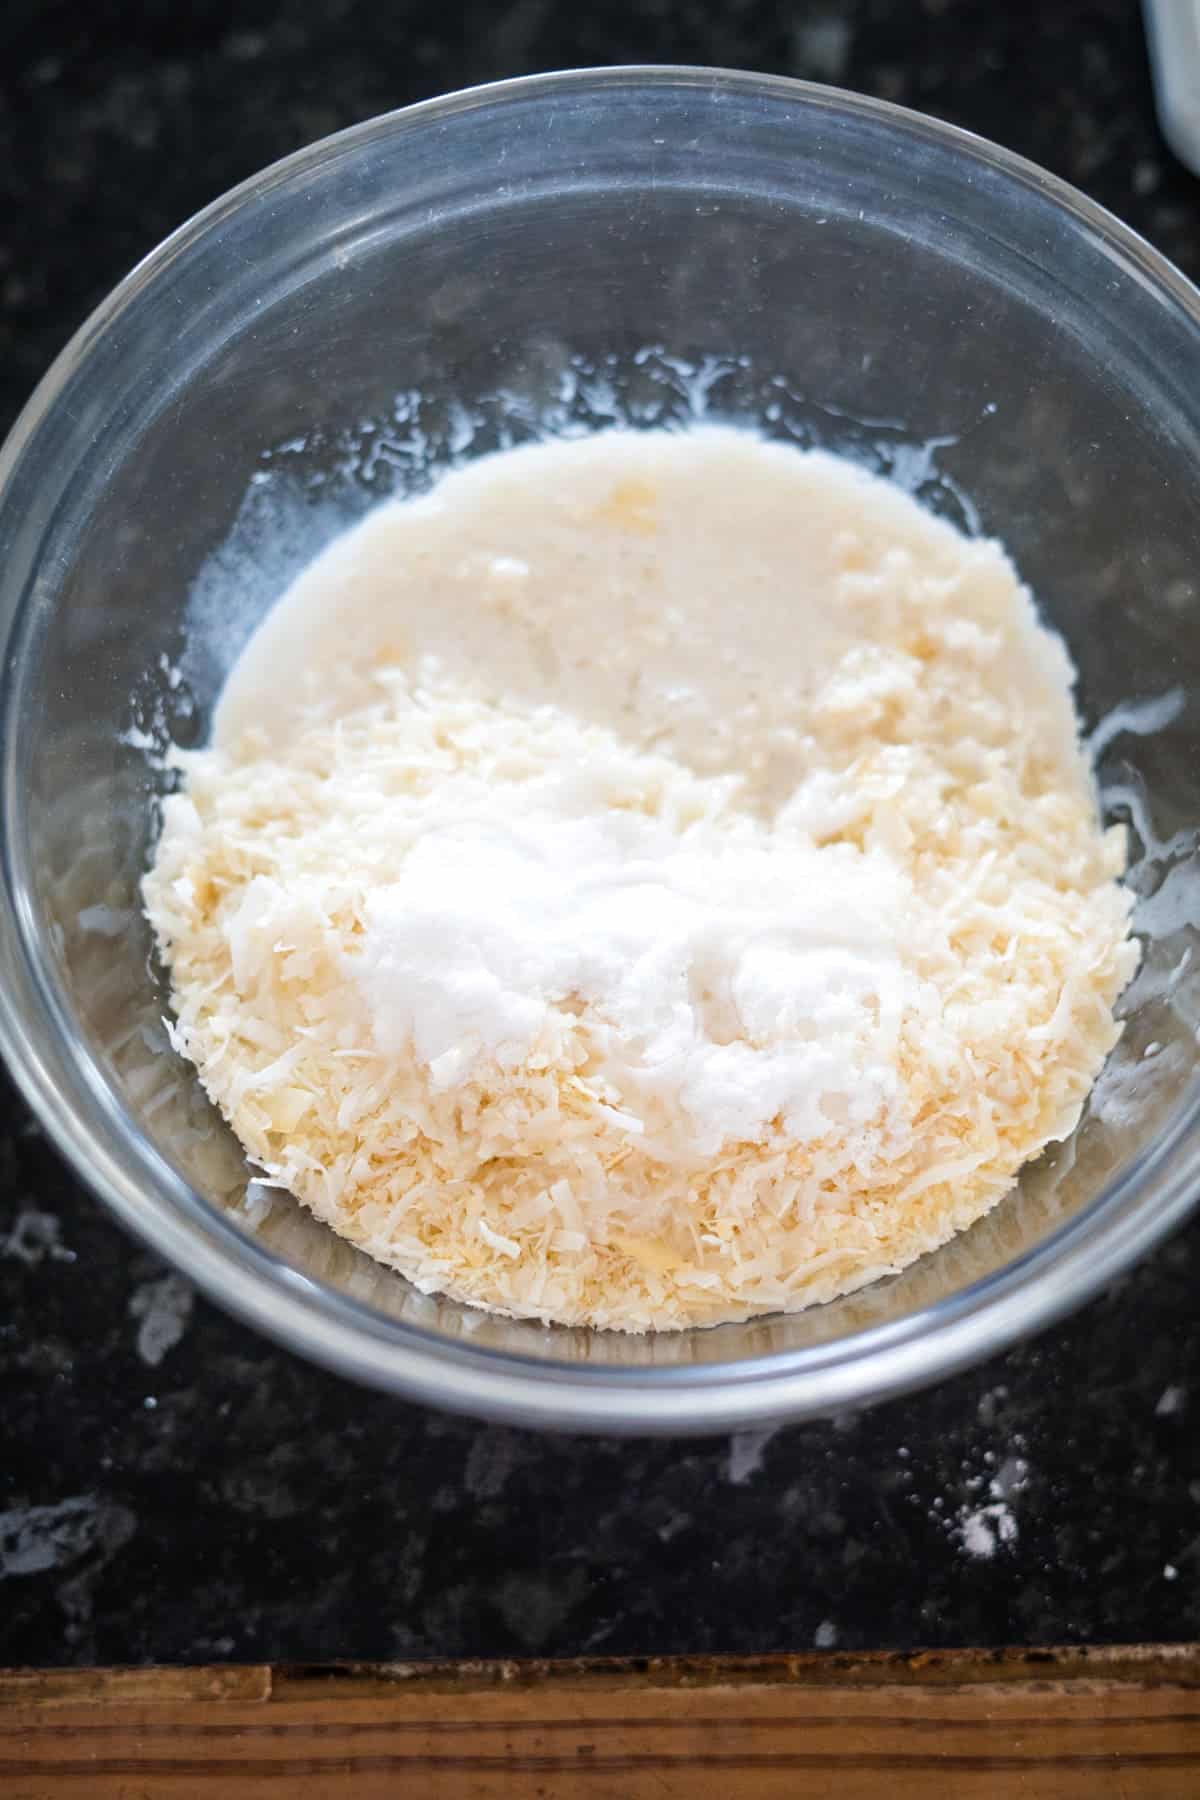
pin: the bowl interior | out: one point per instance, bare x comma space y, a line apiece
553, 257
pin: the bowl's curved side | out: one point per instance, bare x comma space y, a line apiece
67, 442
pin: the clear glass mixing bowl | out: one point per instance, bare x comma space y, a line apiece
636, 244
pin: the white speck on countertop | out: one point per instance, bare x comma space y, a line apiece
990, 1404
1010, 1478
746, 1453
984, 1528
984, 1525
36, 1538
34, 1236
821, 47
164, 1308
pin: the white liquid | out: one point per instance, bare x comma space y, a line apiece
688, 590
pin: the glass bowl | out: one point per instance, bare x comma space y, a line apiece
643, 245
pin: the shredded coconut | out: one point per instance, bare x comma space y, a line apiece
580, 995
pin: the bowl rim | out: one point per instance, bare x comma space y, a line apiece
306, 1315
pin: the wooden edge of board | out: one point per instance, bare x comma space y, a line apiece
1132, 1665
1054, 1724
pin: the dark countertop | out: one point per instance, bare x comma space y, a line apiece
174, 1489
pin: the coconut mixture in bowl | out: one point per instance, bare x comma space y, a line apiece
653, 879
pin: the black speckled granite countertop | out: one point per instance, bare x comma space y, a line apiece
172, 1488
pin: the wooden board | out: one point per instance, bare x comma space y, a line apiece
1072, 1724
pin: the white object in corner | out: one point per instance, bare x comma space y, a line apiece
1173, 28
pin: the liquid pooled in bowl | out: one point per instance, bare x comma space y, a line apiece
652, 879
